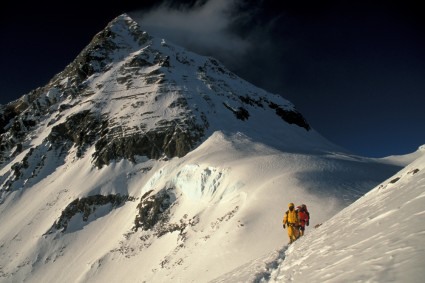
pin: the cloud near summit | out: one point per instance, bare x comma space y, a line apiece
204, 27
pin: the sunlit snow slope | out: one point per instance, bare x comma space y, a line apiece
142, 161
379, 238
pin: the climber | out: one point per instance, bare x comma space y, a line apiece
291, 220
304, 218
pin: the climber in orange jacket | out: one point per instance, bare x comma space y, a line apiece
291, 220
304, 217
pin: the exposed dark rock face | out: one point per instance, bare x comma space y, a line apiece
101, 50
292, 117
155, 209
170, 139
251, 101
86, 207
13, 128
81, 129
240, 113
24, 171
85, 129
7, 113
17, 167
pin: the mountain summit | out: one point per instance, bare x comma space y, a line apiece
144, 161
130, 94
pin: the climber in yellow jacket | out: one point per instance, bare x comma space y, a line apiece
291, 220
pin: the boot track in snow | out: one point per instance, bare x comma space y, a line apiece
271, 266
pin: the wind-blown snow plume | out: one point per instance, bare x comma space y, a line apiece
204, 27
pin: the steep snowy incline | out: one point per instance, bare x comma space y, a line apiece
379, 238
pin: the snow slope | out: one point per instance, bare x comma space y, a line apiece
379, 238
403, 160
221, 160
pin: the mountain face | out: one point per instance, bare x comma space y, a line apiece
144, 161
129, 94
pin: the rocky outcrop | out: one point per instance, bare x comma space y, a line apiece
85, 129
170, 139
85, 207
103, 48
290, 116
22, 173
81, 129
240, 113
154, 210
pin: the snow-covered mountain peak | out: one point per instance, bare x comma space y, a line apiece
125, 21
138, 95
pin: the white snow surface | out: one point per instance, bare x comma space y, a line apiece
228, 195
232, 190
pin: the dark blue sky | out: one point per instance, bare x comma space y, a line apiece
355, 70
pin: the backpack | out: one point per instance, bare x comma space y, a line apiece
287, 214
306, 211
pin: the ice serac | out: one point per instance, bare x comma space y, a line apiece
148, 162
